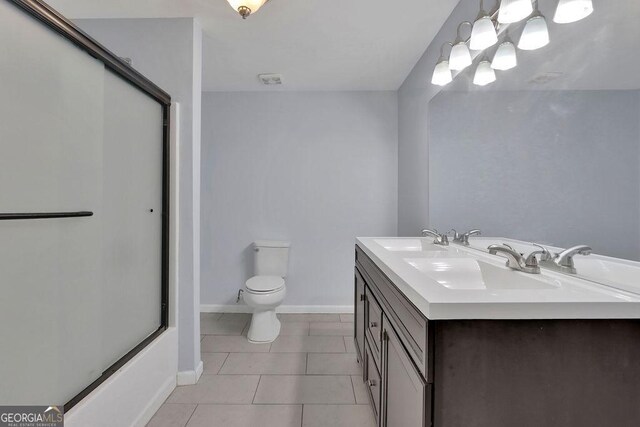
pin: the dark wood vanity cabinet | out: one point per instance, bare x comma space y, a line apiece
388, 349
491, 373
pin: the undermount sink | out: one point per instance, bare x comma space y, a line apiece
401, 245
469, 273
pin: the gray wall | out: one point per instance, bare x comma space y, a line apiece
413, 108
559, 167
314, 168
169, 52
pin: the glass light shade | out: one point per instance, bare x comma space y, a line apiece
442, 74
535, 34
484, 74
483, 34
460, 57
572, 10
505, 57
514, 11
253, 5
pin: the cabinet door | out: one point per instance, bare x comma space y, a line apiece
405, 392
359, 325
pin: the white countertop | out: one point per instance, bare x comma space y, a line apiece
455, 282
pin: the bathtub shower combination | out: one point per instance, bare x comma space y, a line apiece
83, 209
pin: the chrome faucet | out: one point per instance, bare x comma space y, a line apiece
515, 260
438, 239
463, 238
563, 261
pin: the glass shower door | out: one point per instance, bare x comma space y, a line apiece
77, 293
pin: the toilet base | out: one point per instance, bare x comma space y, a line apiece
265, 326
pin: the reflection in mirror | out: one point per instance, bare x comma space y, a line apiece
549, 152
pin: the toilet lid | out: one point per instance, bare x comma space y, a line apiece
265, 283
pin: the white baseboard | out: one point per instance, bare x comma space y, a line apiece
242, 308
190, 377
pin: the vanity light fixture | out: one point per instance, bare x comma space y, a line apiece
514, 11
246, 7
535, 34
460, 56
442, 73
506, 57
572, 10
484, 74
483, 33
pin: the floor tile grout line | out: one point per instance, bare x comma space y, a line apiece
191, 416
222, 365
256, 390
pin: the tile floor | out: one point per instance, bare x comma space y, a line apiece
307, 377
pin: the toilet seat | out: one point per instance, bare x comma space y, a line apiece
264, 284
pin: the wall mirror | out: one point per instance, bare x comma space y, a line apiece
549, 152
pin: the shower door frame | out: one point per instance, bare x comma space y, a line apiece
55, 21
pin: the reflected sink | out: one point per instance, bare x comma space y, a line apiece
469, 273
621, 275
617, 273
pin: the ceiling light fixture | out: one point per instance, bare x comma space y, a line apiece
484, 74
572, 10
483, 33
442, 73
246, 7
535, 34
514, 11
460, 57
505, 57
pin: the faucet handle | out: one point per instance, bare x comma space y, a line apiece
544, 252
509, 246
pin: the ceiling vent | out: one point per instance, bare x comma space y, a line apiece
270, 79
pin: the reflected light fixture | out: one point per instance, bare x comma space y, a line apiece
246, 7
505, 57
483, 33
484, 74
535, 34
572, 10
442, 73
514, 11
460, 56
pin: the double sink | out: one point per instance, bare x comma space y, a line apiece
459, 267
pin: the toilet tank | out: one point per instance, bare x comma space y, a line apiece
271, 258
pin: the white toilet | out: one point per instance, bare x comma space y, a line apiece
266, 290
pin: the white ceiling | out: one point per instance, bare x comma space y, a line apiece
314, 44
601, 52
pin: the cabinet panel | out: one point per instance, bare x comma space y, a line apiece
359, 325
405, 392
372, 381
374, 324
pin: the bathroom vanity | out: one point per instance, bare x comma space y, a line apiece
450, 337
